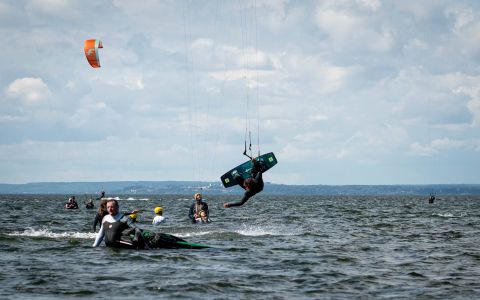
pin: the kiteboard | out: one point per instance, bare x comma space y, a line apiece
267, 160
188, 245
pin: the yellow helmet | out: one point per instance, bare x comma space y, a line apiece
158, 210
133, 216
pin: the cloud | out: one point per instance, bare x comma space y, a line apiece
29, 90
351, 27
59, 9
444, 144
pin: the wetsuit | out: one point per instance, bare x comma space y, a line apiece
255, 185
98, 220
119, 232
196, 208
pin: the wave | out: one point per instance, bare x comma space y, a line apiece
252, 230
126, 199
448, 215
244, 231
31, 232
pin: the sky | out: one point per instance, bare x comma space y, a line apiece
342, 92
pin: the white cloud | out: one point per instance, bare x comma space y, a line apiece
444, 144
351, 28
60, 9
29, 90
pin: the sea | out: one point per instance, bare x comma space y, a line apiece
273, 247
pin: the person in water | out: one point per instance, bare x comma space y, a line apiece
198, 206
252, 186
431, 199
116, 229
71, 204
119, 232
102, 195
133, 217
159, 218
89, 204
202, 217
102, 212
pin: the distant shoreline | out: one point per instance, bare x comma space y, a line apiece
216, 188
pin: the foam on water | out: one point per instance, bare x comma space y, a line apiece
262, 230
449, 215
31, 232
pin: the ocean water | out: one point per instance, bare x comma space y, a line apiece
273, 247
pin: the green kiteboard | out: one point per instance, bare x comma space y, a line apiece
267, 160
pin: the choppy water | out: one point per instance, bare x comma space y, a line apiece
273, 247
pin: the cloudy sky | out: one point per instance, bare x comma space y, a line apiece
343, 92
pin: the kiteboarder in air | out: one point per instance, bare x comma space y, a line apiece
252, 186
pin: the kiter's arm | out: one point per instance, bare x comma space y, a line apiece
99, 237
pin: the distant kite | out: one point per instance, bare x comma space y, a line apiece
91, 52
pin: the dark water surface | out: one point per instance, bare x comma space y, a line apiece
273, 247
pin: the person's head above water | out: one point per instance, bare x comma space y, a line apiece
197, 197
112, 207
158, 210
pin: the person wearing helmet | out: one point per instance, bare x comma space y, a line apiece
198, 206
159, 218
133, 217
252, 186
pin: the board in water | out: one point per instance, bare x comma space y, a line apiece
164, 240
267, 160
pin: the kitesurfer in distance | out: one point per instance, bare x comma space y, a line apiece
71, 204
159, 218
198, 206
89, 204
102, 195
431, 199
252, 186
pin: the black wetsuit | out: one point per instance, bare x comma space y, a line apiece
255, 187
98, 219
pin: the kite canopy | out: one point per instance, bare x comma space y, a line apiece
91, 52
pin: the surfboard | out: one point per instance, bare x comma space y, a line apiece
268, 161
